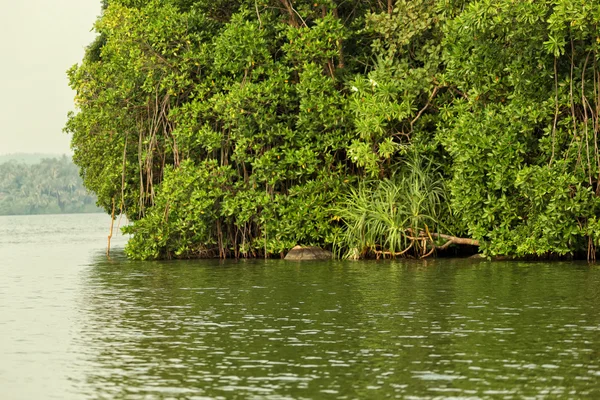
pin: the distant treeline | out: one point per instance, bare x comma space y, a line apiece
27, 158
51, 186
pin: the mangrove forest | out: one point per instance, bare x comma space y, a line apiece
374, 128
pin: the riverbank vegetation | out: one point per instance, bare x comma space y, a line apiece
50, 186
377, 128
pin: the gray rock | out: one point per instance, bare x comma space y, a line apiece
478, 256
301, 253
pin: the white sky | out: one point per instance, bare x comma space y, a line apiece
39, 41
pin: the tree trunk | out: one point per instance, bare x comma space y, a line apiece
290, 10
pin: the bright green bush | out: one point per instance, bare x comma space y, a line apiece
182, 220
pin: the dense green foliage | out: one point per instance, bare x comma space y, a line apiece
242, 128
51, 186
524, 138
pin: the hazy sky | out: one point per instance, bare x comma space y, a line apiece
39, 41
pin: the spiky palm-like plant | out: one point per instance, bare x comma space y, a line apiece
396, 216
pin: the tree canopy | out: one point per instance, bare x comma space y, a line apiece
243, 128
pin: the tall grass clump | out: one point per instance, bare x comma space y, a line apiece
395, 217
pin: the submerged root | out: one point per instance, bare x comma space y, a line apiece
426, 244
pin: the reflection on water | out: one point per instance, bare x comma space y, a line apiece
276, 330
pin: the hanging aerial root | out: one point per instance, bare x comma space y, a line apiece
112, 224
379, 253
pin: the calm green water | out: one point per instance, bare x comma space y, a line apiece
74, 325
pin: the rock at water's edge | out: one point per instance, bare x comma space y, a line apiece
300, 253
